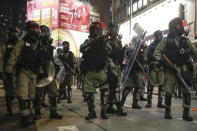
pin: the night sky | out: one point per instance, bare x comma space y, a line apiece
12, 12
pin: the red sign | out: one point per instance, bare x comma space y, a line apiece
45, 12
74, 15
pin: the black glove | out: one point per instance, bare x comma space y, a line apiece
146, 68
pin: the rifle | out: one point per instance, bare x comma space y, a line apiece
72, 71
177, 73
140, 65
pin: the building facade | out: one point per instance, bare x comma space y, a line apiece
154, 15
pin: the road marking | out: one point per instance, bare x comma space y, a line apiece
195, 122
67, 128
180, 118
127, 105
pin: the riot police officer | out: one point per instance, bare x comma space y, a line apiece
95, 51
114, 68
156, 71
68, 59
135, 78
5, 50
179, 50
29, 57
50, 89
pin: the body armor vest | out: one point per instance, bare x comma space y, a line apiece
30, 58
67, 58
95, 58
117, 53
177, 55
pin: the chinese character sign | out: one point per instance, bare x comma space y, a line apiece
45, 12
74, 15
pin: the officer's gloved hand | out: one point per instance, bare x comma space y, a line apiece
146, 68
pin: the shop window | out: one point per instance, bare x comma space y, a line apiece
135, 7
140, 4
145, 2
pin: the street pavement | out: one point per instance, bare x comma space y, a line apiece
151, 119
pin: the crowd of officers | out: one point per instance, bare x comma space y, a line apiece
24, 61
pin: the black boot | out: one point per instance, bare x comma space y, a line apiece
142, 98
26, 121
136, 106
120, 110
69, 89
186, 115
149, 105
168, 114
8, 103
37, 114
111, 110
149, 96
104, 115
9, 110
91, 115
160, 105
135, 99
69, 100
168, 98
55, 115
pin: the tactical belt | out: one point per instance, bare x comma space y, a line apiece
181, 68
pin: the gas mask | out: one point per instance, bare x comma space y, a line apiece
158, 35
114, 32
66, 48
32, 36
13, 38
180, 30
98, 32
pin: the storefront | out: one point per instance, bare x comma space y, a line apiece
69, 20
158, 17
